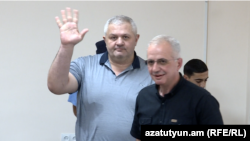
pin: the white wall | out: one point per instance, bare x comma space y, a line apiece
228, 35
248, 78
30, 41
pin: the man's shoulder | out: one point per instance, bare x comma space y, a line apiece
195, 89
148, 90
197, 92
95, 56
142, 61
149, 87
147, 94
141, 70
143, 66
88, 59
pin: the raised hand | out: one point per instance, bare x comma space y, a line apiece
69, 29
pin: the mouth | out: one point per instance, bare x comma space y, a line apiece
158, 76
119, 49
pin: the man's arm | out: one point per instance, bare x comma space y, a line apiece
137, 140
209, 111
60, 81
135, 129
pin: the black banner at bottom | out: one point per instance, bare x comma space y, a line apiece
162, 132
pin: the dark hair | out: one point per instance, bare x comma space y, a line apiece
100, 47
194, 66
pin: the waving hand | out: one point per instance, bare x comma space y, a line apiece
68, 29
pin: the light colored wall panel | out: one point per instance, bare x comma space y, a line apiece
228, 34
248, 78
30, 41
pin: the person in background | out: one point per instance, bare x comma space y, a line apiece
196, 71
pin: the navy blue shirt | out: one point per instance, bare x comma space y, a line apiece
186, 104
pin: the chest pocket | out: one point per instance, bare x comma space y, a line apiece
180, 121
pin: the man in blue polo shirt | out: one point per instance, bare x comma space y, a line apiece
100, 48
107, 83
172, 100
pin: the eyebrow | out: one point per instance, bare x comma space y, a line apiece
121, 34
201, 79
112, 35
158, 59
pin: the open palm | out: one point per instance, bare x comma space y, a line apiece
69, 29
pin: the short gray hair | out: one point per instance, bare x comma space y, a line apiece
119, 20
171, 40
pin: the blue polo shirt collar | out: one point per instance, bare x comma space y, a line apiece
135, 64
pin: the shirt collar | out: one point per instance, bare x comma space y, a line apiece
135, 63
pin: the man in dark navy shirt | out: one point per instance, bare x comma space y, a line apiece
172, 100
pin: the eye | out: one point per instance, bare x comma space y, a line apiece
125, 37
150, 62
162, 61
113, 38
198, 81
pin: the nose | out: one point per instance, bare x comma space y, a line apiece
203, 84
155, 67
119, 41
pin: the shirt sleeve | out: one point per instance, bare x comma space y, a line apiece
208, 111
77, 68
136, 128
73, 98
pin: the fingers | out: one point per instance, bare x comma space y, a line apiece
67, 18
75, 19
83, 32
58, 22
63, 16
69, 14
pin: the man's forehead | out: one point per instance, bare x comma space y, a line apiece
159, 51
120, 25
202, 75
121, 29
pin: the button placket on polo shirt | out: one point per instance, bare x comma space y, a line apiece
162, 113
123, 73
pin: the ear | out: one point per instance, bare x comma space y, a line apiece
137, 38
104, 38
185, 76
179, 63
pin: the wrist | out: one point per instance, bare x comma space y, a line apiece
67, 46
